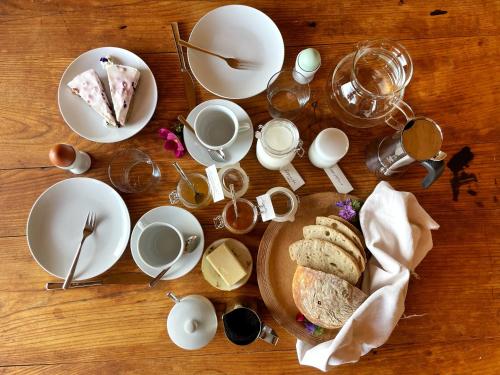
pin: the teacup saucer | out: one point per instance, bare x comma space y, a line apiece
187, 224
237, 151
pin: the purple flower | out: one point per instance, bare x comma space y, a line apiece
310, 327
346, 211
172, 142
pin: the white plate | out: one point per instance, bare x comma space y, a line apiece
187, 224
56, 222
236, 31
84, 120
237, 151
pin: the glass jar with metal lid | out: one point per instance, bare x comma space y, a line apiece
278, 142
236, 176
186, 196
240, 220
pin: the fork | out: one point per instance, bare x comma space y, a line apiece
88, 229
231, 61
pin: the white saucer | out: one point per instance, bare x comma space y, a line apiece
237, 151
242, 254
84, 120
56, 222
187, 224
236, 31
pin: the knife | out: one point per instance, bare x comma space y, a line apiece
186, 75
75, 284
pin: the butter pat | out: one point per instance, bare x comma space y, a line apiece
226, 264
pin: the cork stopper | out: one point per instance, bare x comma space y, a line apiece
62, 155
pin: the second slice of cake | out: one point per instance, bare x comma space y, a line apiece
123, 81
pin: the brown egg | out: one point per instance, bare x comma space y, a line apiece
62, 155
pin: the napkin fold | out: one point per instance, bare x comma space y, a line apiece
397, 232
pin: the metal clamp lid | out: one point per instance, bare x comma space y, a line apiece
219, 222
173, 197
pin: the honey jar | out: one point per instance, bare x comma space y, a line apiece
187, 197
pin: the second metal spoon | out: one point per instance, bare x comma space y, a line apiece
189, 246
197, 196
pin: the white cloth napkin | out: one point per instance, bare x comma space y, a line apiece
397, 232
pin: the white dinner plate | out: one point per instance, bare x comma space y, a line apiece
187, 224
82, 119
234, 153
236, 31
56, 221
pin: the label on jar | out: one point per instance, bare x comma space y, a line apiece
339, 179
292, 176
214, 182
266, 207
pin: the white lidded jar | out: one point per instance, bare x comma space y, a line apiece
278, 142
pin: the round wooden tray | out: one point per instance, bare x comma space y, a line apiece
275, 269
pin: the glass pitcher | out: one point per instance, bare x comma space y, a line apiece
367, 86
419, 141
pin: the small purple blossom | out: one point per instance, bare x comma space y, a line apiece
346, 211
172, 142
310, 327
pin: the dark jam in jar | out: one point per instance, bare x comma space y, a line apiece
245, 219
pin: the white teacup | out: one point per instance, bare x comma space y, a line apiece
159, 245
216, 127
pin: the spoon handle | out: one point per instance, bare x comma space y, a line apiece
183, 176
184, 122
158, 277
233, 197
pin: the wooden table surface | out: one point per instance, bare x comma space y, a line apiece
120, 327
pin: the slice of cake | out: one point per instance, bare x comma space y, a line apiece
122, 84
88, 86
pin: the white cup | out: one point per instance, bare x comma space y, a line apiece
329, 146
216, 127
159, 245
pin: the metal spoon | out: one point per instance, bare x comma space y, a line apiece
197, 196
215, 155
189, 246
233, 197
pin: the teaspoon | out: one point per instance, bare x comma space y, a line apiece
189, 246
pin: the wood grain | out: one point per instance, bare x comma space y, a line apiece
452, 309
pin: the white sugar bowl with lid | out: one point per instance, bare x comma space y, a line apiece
192, 322
278, 142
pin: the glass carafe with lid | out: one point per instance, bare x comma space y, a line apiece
367, 86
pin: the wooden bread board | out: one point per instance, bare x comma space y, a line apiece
275, 269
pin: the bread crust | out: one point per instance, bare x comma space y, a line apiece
325, 299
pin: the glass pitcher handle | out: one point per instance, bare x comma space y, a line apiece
407, 112
434, 170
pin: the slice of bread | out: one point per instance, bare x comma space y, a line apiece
327, 257
324, 299
350, 226
326, 233
334, 223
